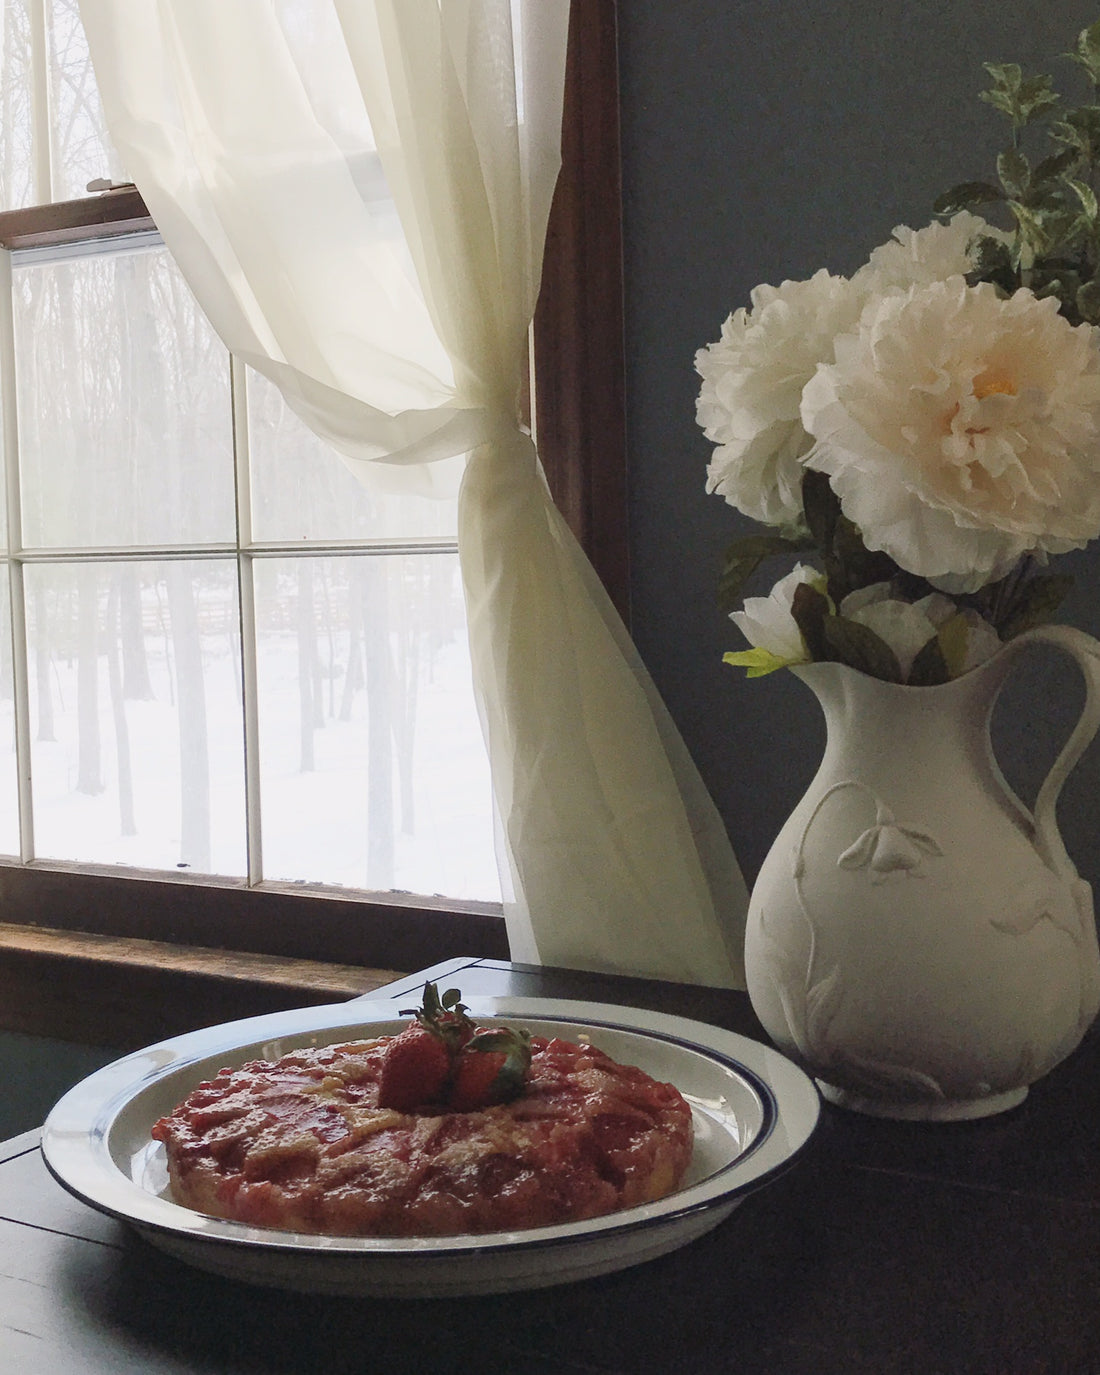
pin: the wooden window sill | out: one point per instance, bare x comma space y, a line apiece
127, 993
297, 922
106, 215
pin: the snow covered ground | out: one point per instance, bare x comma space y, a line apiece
315, 823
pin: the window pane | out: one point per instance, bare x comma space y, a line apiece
301, 489
81, 147
373, 772
136, 719
9, 804
16, 161
123, 402
5, 457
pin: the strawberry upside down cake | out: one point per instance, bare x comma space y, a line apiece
442, 1129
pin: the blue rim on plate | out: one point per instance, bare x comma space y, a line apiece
754, 1112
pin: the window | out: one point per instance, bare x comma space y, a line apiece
166, 496
159, 582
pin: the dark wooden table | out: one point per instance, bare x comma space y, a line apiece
889, 1247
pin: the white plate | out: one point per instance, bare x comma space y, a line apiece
753, 1111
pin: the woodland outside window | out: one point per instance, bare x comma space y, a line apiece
154, 630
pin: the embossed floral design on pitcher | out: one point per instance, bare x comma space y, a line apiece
917, 938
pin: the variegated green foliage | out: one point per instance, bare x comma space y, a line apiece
1045, 187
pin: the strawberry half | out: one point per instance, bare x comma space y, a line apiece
491, 1068
414, 1072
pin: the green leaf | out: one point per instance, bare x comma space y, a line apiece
1036, 97
821, 507
1034, 604
1021, 99
994, 600
744, 556
1029, 221
929, 668
1014, 171
1033, 239
1087, 301
1055, 281
1006, 76
1086, 118
1079, 131
1088, 41
757, 661
1000, 100
1076, 141
989, 254
852, 565
848, 562
1062, 227
992, 259
1062, 290
1051, 168
1086, 51
953, 638
859, 647
966, 194
809, 607
1087, 196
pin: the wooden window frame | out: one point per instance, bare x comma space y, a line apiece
579, 347
580, 420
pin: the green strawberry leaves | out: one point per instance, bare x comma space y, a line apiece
446, 1018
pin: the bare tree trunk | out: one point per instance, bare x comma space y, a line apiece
380, 851
191, 699
89, 771
326, 601
42, 666
307, 652
182, 639
8, 189
136, 685
318, 689
353, 677
113, 644
407, 675
165, 628
7, 668
137, 342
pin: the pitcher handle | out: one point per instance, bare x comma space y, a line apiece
1085, 651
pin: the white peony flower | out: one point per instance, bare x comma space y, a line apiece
917, 257
961, 429
905, 626
768, 625
750, 399
908, 626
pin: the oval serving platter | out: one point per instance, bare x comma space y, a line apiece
753, 1113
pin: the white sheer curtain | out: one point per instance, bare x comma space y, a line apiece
357, 192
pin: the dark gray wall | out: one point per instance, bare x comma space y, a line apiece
762, 141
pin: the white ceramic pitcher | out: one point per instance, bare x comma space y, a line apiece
917, 939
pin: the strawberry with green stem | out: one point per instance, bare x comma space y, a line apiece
446, 1018
491, 1068
444, 1058
417, 1068
416, 1071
